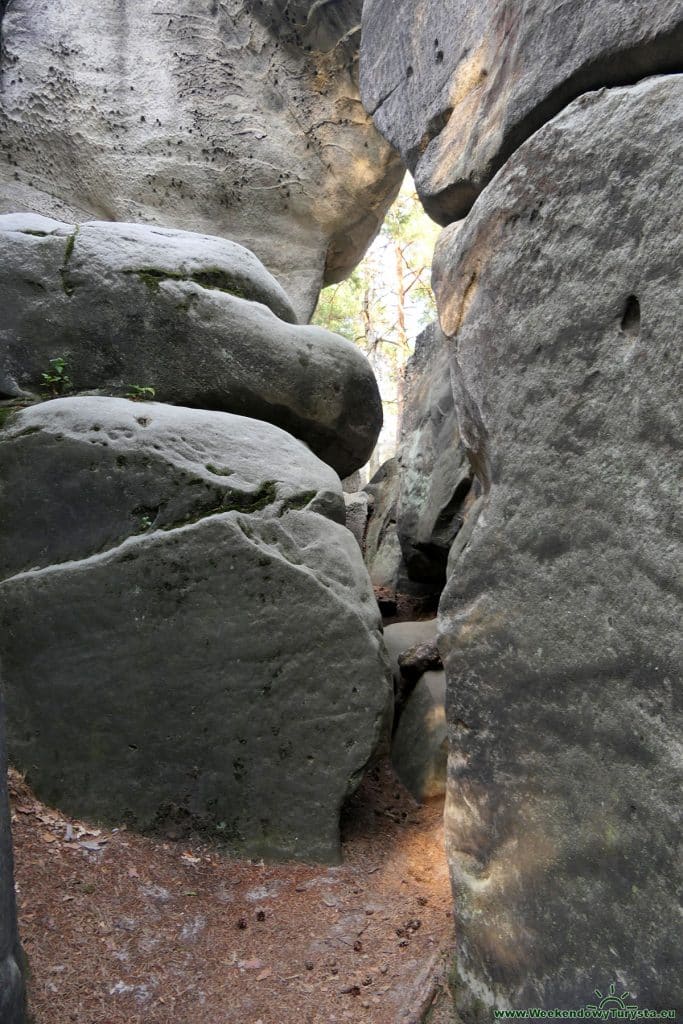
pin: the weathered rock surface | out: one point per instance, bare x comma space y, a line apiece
458, 85
11, 980
357, 515
186, 635
419, 750
398, 594
435, 478
402, 636
418, 659
382, 548
196, 317
560, 626
218, 116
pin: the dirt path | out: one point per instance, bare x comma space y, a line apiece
121, 929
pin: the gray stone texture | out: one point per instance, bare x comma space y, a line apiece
401, 636
399, 595
560, 626
196, 317
11, 958
382, 549
239, 119
188, 636
435, 478
357, 515
457, 85
419, 749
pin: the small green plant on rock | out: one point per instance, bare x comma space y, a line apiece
56, 380
137, 393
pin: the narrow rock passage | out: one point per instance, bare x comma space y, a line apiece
122, 929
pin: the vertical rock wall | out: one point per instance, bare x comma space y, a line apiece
560, 624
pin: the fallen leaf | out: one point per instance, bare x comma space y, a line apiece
264, 974
47, 837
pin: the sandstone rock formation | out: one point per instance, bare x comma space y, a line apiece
382, 549
560, 626
461, 83
356, 514
435, 477
218, 116
11, 980
402, 636
419, 750
196, 317
421, 497
188, 635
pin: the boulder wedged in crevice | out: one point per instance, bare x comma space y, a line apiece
196, 318
188, 639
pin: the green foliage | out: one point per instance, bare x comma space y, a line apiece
387, 299
137, 393
386, 302
56, 380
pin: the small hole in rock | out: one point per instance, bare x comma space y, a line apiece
630, 322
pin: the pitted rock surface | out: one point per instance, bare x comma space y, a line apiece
222, 117
457, 85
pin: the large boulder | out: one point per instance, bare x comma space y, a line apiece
457, 85
11, 978
187, 631
560, 626
233, 118
196, 317
435, 478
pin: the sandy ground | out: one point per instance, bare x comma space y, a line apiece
124, 929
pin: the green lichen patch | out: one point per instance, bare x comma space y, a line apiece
297, 502
220, 280
67, 285
213, 279
233, 501
8, 409
70, 244
153, 278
